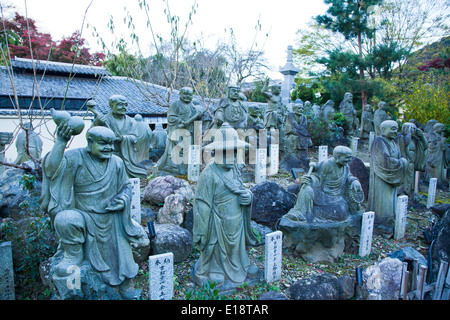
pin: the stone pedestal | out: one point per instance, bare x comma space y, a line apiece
319, 242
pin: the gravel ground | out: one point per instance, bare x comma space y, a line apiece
294, 268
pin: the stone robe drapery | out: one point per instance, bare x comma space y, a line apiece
327, 197
106, 237
437, 159
224, 226
34, 146
177, 143
126, 149
387, 172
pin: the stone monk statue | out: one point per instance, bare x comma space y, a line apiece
231, 109
413, 147
34, 144
87, 194
437, 159
388, 170
125, 129
329, 192
222, 210
180, 133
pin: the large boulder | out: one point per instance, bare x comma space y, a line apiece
383, 279
159, 188
324, 286
172, 238
359, 170
173, 211
270, 203
12, 193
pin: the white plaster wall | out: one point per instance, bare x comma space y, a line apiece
46, 129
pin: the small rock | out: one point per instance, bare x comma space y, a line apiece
172, 238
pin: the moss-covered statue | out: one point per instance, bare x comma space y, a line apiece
388, 170
126, 130
181, 117
222, 210
87, 194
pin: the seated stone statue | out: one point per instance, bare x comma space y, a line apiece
222, 210
329, 192
87, 194
298, 139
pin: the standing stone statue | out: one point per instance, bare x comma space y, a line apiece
34, 144
437, 159
144, 136
87, 194
379, 116
231, 109
366, 122
158, 142
126, 131
222, 211
387, 172
180, 133
329, 192
254, 120
298, 139
328, 110
276, 112
413, 146
429, 126
348, 110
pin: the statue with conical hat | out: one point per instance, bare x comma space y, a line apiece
222, 212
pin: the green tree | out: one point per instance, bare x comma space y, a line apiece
351, 19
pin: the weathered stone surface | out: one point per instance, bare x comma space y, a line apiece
172, 238
441, 247
270, 203
315, 242
346, 288
272, 295
159, 188
409, 253
359, 170
383, 279
322, 287
12, 193
173, 210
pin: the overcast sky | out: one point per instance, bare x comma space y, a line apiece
279, 19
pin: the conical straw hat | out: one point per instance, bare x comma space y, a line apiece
226, 139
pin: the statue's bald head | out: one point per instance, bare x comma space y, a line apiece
98, 132
342, 150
